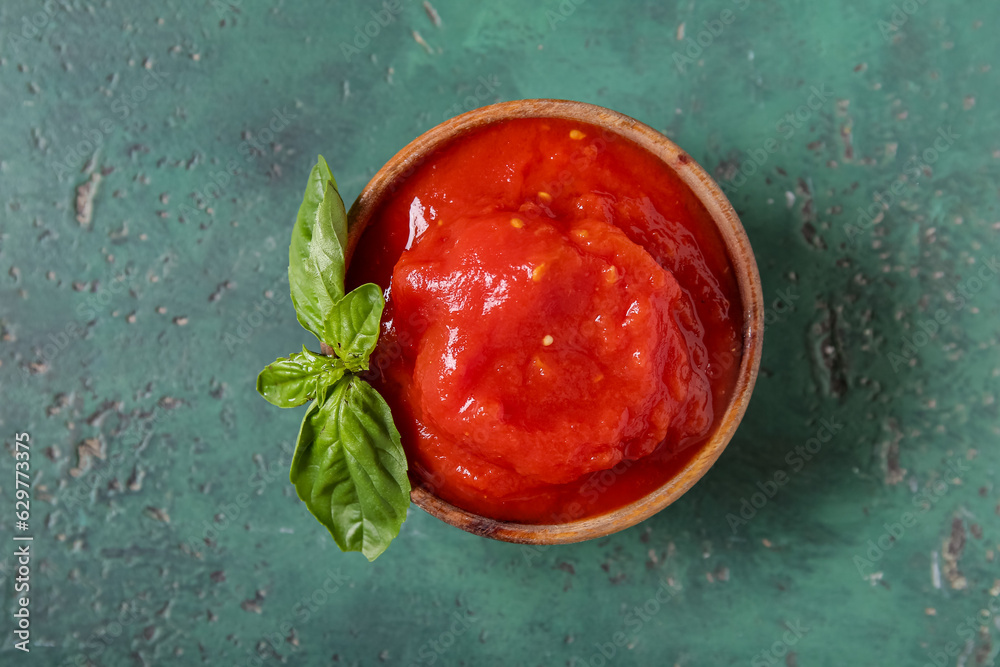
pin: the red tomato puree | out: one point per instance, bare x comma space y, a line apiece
562, 326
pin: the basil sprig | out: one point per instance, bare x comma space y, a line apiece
349, 466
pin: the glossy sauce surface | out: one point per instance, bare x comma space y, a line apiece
562, 327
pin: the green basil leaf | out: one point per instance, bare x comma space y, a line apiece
349, 467
316, 254
354, 324
290, 382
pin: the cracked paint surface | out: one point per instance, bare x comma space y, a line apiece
152, 157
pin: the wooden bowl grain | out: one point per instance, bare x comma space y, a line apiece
406, 161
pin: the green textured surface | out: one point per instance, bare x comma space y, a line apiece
120, 571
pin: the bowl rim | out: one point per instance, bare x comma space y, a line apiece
741, 258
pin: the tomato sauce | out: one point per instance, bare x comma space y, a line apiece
562, 326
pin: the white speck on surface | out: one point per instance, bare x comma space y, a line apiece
432, 14
418, 38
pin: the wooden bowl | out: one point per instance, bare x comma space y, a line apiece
406, 161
